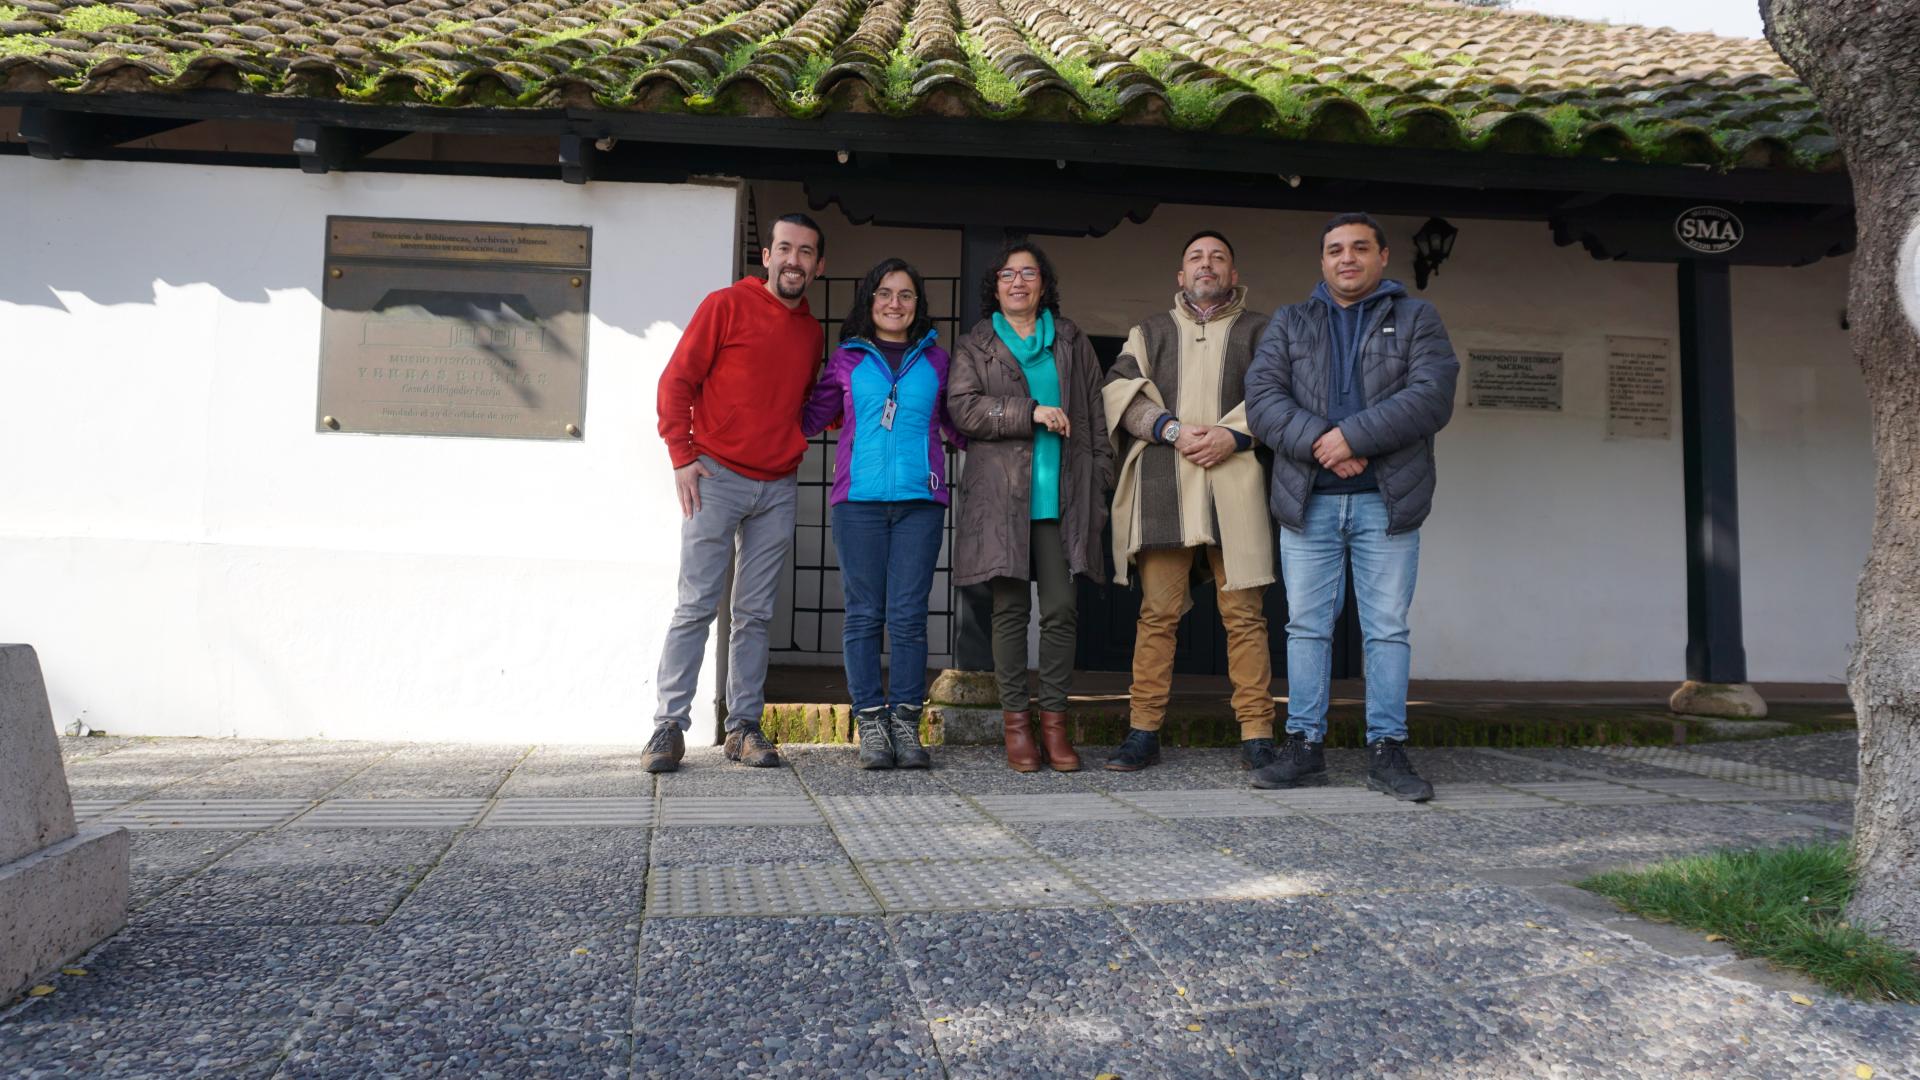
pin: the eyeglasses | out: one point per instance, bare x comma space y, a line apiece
905, 296
1025, 273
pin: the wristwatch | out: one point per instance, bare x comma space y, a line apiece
1171, 432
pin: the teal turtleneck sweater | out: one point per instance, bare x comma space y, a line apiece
1035, 356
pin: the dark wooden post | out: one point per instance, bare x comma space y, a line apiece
973, 604
1716, 648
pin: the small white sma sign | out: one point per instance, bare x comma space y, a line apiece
1709, 229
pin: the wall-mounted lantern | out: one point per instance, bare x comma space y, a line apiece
1431, 245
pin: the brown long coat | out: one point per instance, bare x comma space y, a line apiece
989, 400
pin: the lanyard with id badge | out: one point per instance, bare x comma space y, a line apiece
892, 406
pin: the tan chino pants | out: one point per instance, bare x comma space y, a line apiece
1165, 596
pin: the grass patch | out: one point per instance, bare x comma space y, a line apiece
93, 18
996, 86
901, 67
806, 86
1787, 906
23, 45
11, 12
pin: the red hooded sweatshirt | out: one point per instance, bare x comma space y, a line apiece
737, 381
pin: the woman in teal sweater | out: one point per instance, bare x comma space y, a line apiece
1025, 390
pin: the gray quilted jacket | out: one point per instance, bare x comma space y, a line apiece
1408, 368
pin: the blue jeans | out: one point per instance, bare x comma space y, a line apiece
1313, 567
887, 555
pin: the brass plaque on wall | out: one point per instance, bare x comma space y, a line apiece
454, 328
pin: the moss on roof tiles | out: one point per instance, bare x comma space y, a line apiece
1385, 72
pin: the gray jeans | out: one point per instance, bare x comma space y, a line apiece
758, 515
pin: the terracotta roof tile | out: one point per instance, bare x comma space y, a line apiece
1413, 72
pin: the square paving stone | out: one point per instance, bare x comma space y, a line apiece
985, 883
157, 852
875, 842
1568, 762
1840, 814
1707, 789
706, 771
137, 1049
465, 991
1630, 1022
1744, 826
1594, 793
1478, 934
784, 888
855, 811
490, 894
394, 813
1881, 1034
1105, 838
1176, 805
555, 772
1067, 807
340, 848
1053, 993
1459, 839
1486, 797
1422, 1035
588, 811
1833, 755
1319, 857
83, 747
776, 997
283, 896
1328, 801
738, 810
307, 769
1248, 952
1467, 765
583, 850
435, 772
997, 779
726, 845
1157, 876
835, 770
1601, 834
215, 814
327, 1049
153, 974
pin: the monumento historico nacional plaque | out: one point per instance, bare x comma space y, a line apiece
454, 328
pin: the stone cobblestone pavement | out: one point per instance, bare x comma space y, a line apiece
345, 910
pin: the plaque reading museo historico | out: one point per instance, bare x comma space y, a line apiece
454, 328
1514, 380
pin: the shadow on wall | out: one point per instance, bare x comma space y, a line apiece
142, 230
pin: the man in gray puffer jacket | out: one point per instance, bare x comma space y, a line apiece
1349, 389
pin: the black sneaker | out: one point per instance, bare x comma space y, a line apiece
664, 750
1258, 753
1297, 763
748, 747
903, 730
875, 751
1389, 770
1137, 751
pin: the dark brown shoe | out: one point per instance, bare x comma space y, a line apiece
748, 747
1022, 755
664, 750
1053, 735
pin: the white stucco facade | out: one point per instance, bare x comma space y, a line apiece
191, 557
1553, 553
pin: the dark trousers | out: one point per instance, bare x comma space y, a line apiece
887, 555
1059, 622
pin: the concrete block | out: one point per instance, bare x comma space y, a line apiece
59, 902
1732, 701
35, 808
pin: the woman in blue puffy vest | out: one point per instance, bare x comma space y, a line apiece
887, 385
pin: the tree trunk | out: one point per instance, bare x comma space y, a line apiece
1860, 60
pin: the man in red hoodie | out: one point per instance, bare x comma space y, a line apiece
730, 403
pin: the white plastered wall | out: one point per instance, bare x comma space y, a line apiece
191, 558
1554, 553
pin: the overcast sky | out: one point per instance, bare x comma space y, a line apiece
1733, 18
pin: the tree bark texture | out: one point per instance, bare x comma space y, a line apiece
1861, 60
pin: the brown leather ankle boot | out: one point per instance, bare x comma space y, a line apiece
1053, 736
1022, 755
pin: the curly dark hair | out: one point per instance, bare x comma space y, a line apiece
859, 320
1049, 284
